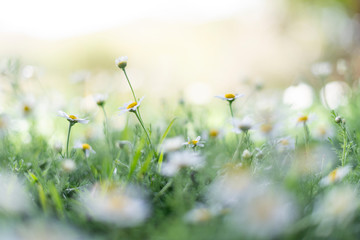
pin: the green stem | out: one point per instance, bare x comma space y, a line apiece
147, 135
68, 139
163, 190
238, 146
127, 78
307, 137
132, 90
231, 111
232, 116
344, 150
107, 136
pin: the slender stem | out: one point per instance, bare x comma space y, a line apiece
163, 190
107, 136
127, 78
344, 149
68, 139
307, 137
238, 146
232, 116
147, 135
231, 111
132, 90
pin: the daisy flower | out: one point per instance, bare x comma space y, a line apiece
246, 154
123, 206
172, 144
121, 62
213, 134
321, 69
130, 106
335, 175
72, 118
242, 125
285, 143
305, 118
68, 165
85, 147
265, 214
194, 143
100, 99
323, 132
14, 197
199, 214
230, 97
179, 160
336, 207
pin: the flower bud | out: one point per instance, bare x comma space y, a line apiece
246, 154
121, 62
338, 119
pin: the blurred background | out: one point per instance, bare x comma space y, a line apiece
63, 52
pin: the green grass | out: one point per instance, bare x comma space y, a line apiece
294, 174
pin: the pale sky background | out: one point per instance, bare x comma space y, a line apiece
62, 19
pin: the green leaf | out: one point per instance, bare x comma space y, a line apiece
166, 133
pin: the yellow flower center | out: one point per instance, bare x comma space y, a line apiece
26, 108
266, 127
229, 95
194, 142
118, 203
214, 133
72, 117
322, 131
86, 146
303, 118
284, 142
203, 215
131, 105
332, 175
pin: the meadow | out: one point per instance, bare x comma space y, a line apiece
263, 169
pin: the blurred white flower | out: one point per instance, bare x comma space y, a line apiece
130, 106
214, 134
321, 69
199, 214
123, 206
230, 97
172, 144
335, 94
242, 125
14, 197
265, 214
285, 143
80, 76
58, 146
299, 97
246, 154
121, 62
68, 165
122, 143
305, 118
179, 160
338, 206
336, 175
100, 99
230, 188
85, 147
40, 230
72, 118
341, 66
323, 132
